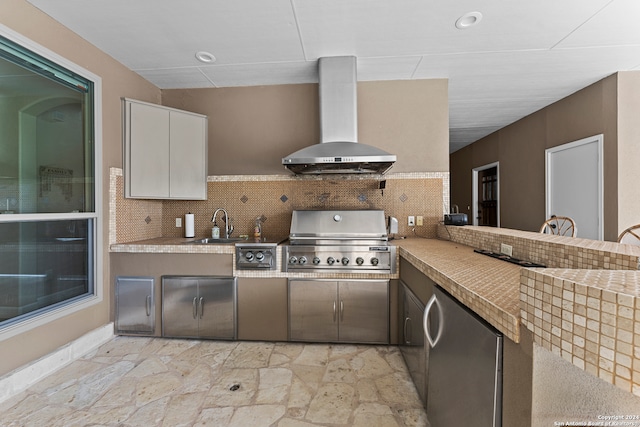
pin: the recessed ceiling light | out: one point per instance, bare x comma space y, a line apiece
205, 57
468, 20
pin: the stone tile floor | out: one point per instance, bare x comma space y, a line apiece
134, 381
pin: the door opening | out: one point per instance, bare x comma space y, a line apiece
486, 195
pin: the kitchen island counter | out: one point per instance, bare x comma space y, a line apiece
489, 287
587, 316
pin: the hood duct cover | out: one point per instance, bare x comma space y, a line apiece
339, 150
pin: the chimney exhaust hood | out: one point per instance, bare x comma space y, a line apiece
338, 151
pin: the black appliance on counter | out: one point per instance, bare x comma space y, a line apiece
456, 219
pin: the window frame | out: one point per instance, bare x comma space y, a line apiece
85, 302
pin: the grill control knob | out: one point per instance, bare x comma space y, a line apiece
259, 256
345, 261
249, 256
302, 260
293, 260
359, 260
316, 260
331, 260
375, 261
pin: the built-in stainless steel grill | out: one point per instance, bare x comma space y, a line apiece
351, 241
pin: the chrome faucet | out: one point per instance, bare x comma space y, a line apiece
228, 227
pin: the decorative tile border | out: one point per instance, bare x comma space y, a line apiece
338, 177
590, 318
114, 173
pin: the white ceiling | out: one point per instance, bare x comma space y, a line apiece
522, 56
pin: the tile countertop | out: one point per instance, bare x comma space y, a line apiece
488, 286
176, 245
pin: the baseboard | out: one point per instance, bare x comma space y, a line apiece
22, 378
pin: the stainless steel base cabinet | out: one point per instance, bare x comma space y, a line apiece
412, 339
339, 311
465, 366
199, 307
135, 307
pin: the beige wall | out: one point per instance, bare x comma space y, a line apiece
117, 82
252, 128
628, 154
519, 148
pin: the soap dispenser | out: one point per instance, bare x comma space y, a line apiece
257, 229
215, 231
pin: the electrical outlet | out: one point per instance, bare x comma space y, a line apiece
506, 249
419, 220
178, 222
411, 222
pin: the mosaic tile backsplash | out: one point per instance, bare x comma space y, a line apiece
273, 198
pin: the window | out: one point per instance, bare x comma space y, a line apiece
49, 192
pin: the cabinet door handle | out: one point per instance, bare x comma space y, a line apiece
201, 306
341, 310
195, 307
404, 331
334, 310
425, 321
148, 305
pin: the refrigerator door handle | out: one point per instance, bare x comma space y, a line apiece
425, 321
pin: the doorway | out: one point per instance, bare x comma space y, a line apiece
574, 183
486, 195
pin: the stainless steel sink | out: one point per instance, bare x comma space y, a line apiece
212, 241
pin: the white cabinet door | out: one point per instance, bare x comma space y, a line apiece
188, 154
148, 167
165, 153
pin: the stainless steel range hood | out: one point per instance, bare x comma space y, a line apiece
338, 150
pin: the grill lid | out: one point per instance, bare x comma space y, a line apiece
338, 225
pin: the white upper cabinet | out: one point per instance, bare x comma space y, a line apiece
165, 152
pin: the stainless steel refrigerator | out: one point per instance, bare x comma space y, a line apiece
465, 366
